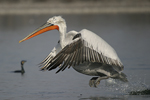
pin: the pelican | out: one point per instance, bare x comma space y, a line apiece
22, 71
85, 51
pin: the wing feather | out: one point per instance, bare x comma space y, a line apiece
83, 54
56, 62
72, 59
76, 57
65, 64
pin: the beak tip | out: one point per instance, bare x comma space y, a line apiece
20, 41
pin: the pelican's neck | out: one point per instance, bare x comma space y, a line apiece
62, 31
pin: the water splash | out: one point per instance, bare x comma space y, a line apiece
135, 86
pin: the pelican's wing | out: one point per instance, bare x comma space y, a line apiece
51, 55
83, 50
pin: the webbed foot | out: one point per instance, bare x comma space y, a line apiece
93, 82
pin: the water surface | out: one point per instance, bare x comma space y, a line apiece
128, 34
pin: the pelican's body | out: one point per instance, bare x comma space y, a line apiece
85, 51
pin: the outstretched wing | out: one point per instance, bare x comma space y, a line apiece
80, 51
51, 55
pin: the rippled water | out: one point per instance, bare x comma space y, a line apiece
129, 34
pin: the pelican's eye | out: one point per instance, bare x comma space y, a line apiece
50, 24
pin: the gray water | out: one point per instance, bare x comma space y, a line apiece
128, 34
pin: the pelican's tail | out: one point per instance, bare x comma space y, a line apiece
122, 77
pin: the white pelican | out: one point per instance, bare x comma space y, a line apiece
85, 51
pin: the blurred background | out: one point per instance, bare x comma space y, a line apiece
73, 6
124, 24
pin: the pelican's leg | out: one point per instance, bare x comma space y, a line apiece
96, 80
92, 81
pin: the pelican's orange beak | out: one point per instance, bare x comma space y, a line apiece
42, 29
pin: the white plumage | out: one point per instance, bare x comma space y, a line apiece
85, 51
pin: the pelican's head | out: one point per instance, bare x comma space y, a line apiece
56, 22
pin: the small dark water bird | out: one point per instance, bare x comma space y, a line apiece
22, 71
